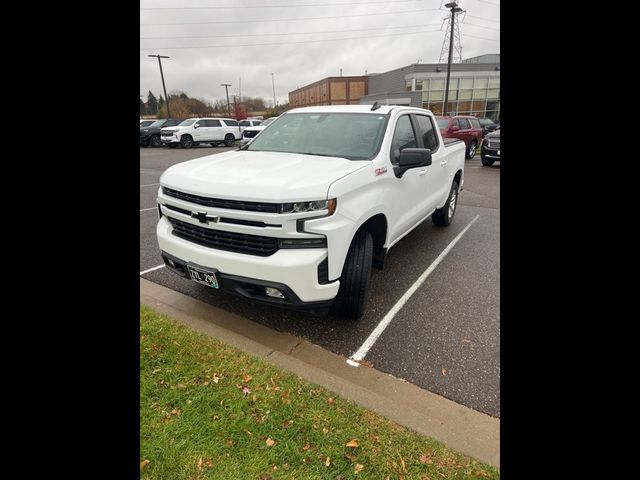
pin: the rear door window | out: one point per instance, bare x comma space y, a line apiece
427, 131
213, 123
464, 124
231, 123
475, 123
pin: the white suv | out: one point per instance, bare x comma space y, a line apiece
193, 131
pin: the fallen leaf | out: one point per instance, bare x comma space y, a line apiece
216, 378
275, 468
358, 468
466, 340
366, 363
325, 430
327, 462
181, 385
286, 424
285, 466
144, 463
269, 442
376, 438
200, 463
306, 447
176, 343
444, 372
331, 400
352, 444
425, 459
351, 458
246, 390
246, 378
215, 417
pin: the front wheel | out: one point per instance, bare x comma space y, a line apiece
229, 139
487, 162
156, 142
354, 282
444, 216
471, 151
186, 141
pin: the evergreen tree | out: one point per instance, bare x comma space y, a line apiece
152, 104
143, 108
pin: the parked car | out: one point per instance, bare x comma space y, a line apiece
491, 148
249, 133
248, 123
150, 135
488, 125
465, 128
193, 131
298, 217
145, 123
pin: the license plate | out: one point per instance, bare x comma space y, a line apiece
201, 276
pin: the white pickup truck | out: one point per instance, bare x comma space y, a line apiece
299, 216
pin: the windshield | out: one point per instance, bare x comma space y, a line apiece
157, 124
146, 123
442, 123
355, 136
268, 121
186, 123
486, 121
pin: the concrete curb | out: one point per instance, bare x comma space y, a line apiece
468, 431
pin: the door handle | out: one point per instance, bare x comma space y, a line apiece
443, 162
422, 172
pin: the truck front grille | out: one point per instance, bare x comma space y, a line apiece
221, 203
220, 240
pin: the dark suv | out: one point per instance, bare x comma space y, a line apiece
150, 135
491, 148
488, 125
465, 128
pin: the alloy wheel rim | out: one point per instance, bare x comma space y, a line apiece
452, 203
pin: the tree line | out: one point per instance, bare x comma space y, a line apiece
183, 106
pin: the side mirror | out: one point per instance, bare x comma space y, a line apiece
196, 125
455, 128
412, 158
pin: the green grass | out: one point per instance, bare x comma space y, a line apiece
194, 428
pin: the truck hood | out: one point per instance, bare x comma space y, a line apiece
272, 177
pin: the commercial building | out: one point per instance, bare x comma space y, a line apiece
474, 87
330, 91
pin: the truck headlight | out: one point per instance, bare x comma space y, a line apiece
312, 206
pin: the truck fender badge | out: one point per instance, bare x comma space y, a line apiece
381, 170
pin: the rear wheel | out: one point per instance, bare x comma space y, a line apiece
155, 141
444, 216
186, 141
471, 151
354, 282
229, 139
487, 162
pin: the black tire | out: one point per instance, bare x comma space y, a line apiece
352, 296
229, 139
443, 217
186, 141
487, 162
155, 141
471, 151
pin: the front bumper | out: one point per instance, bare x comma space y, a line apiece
292, 271
490, 153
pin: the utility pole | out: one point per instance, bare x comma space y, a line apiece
226, 87
274, 91
240, 88
453, 6
166, 99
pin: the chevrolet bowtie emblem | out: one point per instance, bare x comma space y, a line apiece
203, 217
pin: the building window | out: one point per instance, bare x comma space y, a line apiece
466, 83
453, 84
436, 84
479, 93
494, 82
465, 94
493, 93
408, 85
464, 108
435, 107
480, 83
425, 84
418, 85
439, 95
478, 106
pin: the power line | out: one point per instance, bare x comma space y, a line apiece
286, 43
278, 6
263, 20
480, 26
466, 35
482, 18
290, 33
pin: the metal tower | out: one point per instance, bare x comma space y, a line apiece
457, 45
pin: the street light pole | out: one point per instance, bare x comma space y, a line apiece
454, 9
166, 99
274, 91
226, 87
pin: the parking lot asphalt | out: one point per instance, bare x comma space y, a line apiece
445, 339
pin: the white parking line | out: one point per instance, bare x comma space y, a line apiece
147, 209
151, 269
149, 185
384, 323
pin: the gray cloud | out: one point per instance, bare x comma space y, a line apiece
199, 72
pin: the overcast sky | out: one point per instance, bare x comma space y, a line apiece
200, 71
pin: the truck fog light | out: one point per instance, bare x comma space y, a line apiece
273, 292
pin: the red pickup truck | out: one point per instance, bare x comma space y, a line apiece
464, 128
